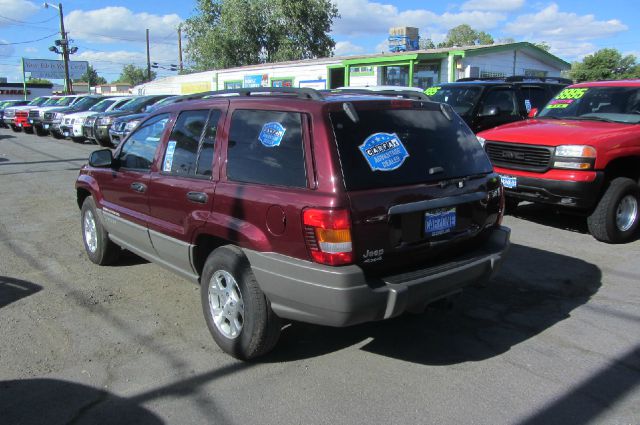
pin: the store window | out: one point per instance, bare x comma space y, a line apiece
426, 75
394, 75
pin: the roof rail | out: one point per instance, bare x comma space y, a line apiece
518, 79
406, 94
300, 92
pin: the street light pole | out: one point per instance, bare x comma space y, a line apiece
64, 43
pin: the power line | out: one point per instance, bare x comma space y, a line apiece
24, 22
30, 41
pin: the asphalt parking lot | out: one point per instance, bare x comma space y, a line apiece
554, 340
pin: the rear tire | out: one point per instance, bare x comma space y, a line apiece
617, 216
100, 249
237, 312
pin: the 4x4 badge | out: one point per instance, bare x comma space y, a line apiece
384, 151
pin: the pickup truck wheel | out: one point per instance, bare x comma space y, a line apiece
57, 135
100, 249
237, 312
16, 129
28, 130
616, 218
78, 139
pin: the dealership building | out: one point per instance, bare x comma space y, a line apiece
16, 91
417, 68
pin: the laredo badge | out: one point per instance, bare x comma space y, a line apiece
383, 151
271, 134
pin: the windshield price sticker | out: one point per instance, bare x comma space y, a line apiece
384, 151
271, 134
571, 94
168, 158
560, 103
432, 91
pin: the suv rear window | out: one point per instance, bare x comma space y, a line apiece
437, 148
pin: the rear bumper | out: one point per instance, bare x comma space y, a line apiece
575, 189
342, 296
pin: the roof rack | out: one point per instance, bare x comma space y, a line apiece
406, 94
299, 92
518, 79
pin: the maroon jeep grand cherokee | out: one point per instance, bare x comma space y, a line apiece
284, 203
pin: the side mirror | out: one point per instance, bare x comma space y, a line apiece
490, 111
102, 158
533, 112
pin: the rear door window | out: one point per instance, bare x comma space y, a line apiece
502, 98
399, 147
266, 147
534, 97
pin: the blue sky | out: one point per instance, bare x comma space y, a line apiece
111, 34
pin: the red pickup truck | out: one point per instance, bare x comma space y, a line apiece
582, 151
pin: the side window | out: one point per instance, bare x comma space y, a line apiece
503, 99
266, 147
140, 148
205, 157
534, 97
182, 150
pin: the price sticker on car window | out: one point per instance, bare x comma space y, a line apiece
571, 94
168, 158
431, 91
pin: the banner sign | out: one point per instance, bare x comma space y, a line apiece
54, 69
253, 81
195, 87
314, 84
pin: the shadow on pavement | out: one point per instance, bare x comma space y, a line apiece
51, 401
12, 290
547, 215
587, 400
7, 136
534, 290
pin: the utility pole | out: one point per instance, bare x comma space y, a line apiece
148, 58
64, 43
180, 47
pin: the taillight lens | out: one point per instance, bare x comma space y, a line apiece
328, 236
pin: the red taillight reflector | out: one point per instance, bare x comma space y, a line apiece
328, 236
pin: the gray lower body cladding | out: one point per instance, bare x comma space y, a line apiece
341, 296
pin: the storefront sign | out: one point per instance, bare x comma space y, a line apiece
195, 87
54, 69
252, 81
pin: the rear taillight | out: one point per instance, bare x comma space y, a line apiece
328, 236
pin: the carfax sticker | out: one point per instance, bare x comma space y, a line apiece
384, 151
432, 90
271, 134
168, 158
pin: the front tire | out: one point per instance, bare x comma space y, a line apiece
57, 135
41, 131
237, 312
100, 249
616, 218
16, 129
78, 139
28, 130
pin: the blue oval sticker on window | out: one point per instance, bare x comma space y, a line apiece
271, 134
384, 151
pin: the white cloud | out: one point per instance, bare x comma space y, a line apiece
572, 51
493, 5
344, 48
117, 24
30, 50
366, 17
552, 24
16, 9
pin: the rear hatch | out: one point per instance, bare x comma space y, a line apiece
420, 186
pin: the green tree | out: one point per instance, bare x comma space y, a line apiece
605, 64
38, 81
543, 45
464, 35
134, 75
427, 43
91, 77
228, 33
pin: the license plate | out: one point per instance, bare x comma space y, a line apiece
19, 124
65, 134
46, 126
439, 222
509, 182
30, 121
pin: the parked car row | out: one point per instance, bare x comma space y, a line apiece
79, 117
